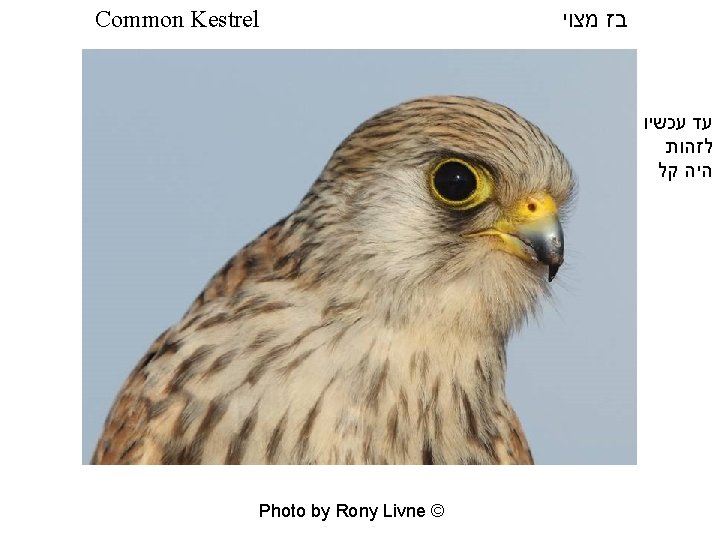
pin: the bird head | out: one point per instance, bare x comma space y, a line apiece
446, 204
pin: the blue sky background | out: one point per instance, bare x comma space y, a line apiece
189, 155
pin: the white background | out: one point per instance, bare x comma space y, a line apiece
670, 493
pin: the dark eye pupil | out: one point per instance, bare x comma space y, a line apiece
455, 181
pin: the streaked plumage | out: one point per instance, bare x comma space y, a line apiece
368, 326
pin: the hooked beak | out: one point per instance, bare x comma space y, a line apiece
532, 232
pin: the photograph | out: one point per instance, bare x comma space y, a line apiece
359, 257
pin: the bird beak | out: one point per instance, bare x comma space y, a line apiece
532, 232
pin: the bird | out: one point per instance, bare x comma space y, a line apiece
370, 325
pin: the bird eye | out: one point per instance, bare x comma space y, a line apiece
457, 183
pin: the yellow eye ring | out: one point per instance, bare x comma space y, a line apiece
456, 183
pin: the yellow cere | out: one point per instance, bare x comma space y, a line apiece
533, 207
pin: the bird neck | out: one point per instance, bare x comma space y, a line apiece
431, 390
433, 339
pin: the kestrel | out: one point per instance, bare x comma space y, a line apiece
369, 325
